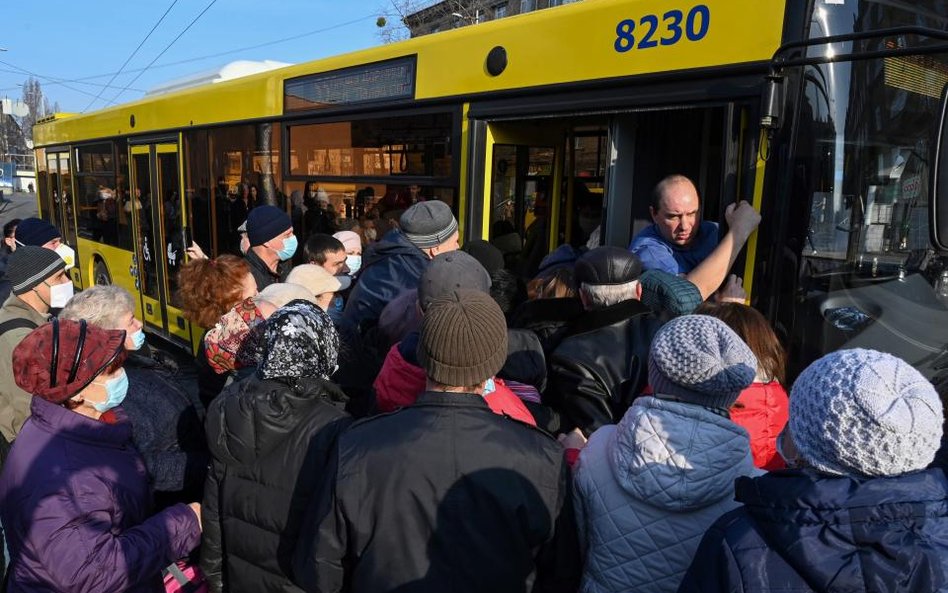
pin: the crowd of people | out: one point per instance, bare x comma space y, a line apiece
411, 414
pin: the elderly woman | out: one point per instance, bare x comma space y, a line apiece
74, 493
167, 422
271, 435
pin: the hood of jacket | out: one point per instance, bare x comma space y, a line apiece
393, 243
840, 533
678, 457
253, 416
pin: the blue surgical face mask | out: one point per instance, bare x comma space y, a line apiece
289, 248
490, 387
138, 340
354, 263
115, 390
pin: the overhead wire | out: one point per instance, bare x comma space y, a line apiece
84, 79
162, 52
129, 59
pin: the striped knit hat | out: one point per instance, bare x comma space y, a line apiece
463, 339
30, 265
428, 224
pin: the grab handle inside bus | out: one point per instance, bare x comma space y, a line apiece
939, 184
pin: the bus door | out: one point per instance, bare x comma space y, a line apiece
159, 250
523, 183
60, 192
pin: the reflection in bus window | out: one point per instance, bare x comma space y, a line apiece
171, 216
410, 145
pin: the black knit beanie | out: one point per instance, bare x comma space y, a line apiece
463, 339
30, 265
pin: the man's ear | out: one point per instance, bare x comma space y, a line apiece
638, 291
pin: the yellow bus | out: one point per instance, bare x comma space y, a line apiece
827, 114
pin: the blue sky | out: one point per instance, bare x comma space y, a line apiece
71, 41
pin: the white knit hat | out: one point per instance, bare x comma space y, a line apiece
866, 413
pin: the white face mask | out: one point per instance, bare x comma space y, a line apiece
370, 234
59, 295
68, 254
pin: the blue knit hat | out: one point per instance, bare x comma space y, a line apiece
865, 413
266, 222
698, 359
35, 231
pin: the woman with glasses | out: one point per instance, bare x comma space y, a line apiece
74, 496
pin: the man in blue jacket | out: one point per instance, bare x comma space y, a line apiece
860, 511
680, 242
396, 262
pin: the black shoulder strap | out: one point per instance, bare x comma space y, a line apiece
18, 323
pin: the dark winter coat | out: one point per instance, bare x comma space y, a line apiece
802, 531
388, 267
167, 429
5, 285
443, 495
549, 319
262, 274
601, 365
270, 441
74, 500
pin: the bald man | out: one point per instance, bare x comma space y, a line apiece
679, 242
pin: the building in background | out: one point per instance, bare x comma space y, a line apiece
451, 14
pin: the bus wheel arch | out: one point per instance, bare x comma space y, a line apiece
100, 272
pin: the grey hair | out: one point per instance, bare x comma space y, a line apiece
599, 296
102, 305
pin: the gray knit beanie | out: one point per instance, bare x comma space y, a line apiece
428, 224
30, 265
866, 413
463, 339
698, 359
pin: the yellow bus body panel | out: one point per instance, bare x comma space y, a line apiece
567, 44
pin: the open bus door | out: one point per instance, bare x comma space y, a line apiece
159, 249
522, 187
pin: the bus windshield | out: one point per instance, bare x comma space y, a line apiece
866, 131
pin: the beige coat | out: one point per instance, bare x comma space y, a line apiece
14, 402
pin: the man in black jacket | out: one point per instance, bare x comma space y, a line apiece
445, 495
601, 364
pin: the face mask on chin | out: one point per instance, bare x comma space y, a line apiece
68, 255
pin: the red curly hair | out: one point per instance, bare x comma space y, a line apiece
208, 288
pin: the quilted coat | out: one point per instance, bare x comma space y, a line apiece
762, 410
271, 441
802, 531
649, 487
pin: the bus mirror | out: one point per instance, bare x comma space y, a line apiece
939, 184
771, 111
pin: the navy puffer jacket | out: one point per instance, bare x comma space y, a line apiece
388, 267
802, 531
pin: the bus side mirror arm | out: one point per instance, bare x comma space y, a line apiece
939, 181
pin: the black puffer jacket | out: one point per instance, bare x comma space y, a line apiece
270, 443
549, 319
602, 365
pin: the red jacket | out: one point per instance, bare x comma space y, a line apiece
762, 410
400, 382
